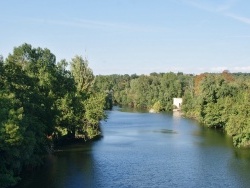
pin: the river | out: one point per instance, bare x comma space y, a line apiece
140, 149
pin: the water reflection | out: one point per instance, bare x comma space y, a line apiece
72, 166
165, 131
177, 114
210, 137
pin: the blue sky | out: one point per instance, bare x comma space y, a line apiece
134, 36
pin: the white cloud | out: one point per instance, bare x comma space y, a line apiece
218, 69
228, 4
238, 18
212, 6
221, 8
240, 69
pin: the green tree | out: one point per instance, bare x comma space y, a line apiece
82, 74
38, 100
94, 112
238, 124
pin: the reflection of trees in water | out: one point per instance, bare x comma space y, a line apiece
240, 165
212, 137
243, 154
177, 114
73, 166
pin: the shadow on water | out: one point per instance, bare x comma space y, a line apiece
240, 165
212, 137
71, 166
165, 131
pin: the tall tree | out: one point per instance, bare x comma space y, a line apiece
82, 74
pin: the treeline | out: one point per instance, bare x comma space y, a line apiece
220, 101
156, 90
42, 103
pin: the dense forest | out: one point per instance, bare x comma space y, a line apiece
154, 91
220, 101
43, 103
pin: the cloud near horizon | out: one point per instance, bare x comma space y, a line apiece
231, 69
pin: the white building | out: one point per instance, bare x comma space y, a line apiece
177, 102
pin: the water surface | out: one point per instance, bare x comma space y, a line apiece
147, 150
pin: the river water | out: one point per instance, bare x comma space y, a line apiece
147, 150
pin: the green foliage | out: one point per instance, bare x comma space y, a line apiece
144, 91
82, 74
94, 107
221, 101
40, 102
157, 106
238, 124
